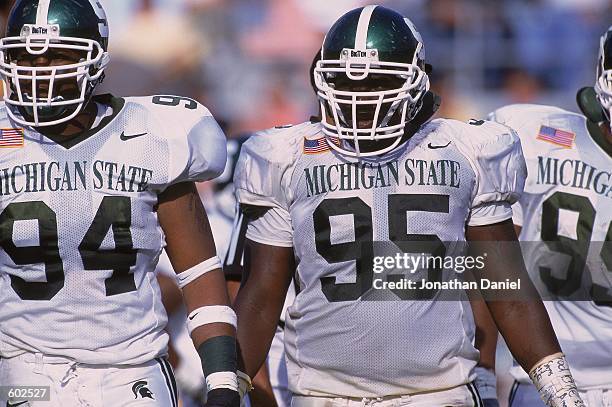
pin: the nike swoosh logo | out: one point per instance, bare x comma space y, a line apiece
123, 137
16, 404
192, 317
436, 147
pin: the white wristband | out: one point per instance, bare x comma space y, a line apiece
211, 314
189, 275
554, 381
222, 380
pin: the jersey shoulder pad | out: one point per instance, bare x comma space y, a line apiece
495, 154
290, 134
481, 136
518, 115
528, 120
266, 163
194, 142
178, 110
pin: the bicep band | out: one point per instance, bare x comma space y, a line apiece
198, 270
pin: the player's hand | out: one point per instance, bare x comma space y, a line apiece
490, 403
222, 398
486, 384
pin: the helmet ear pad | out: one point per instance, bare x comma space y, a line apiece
586, 98
430, 103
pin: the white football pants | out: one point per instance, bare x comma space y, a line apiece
73, 384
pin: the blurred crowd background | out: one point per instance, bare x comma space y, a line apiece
248, 60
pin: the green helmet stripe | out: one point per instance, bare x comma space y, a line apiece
361, 36
393, 36
42, 12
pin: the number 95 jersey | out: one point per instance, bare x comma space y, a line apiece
79, 232
343, 335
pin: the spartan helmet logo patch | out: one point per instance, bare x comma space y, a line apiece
141, 390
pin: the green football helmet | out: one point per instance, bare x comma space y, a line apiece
42, 29
370, 80
603, 86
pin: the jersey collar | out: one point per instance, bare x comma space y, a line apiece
105, 99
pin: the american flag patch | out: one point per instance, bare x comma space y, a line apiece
11, 138
317, 146
559, 137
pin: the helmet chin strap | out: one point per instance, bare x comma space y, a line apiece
44, 112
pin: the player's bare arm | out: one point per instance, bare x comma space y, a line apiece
190, 244
268, 272
528, 349
538, 352
486, 334
262, 394
485, 340
268, 384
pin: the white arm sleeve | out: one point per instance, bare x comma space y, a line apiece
272, 228
517, 214
497, 159
262, 178
490, 213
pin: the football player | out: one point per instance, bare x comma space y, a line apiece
565, 218
318, 195
270, 387
92, 187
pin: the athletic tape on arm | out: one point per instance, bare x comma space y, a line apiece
554, 381
218, 356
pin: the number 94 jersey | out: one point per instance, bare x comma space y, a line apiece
343, 335
79, 233
566, 218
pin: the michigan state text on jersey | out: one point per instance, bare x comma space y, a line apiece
376, 170
93, 187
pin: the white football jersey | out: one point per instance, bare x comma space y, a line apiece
342, 336
568, 200
79, 232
